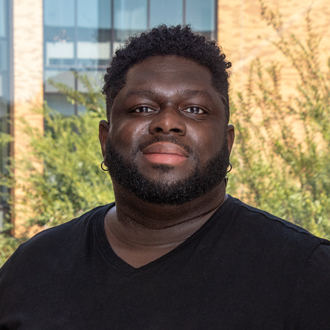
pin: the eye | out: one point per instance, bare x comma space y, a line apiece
143, 110
194, 110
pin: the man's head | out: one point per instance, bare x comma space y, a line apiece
162, 41
167, 140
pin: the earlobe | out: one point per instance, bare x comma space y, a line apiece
230, 137
103, 134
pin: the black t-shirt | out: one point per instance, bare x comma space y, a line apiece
243, 269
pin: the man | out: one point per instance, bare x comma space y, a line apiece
174, 251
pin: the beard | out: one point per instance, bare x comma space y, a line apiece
202, 180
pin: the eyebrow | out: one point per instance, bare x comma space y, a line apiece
142, 93
197, 92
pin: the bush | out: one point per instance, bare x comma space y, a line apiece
274, 169
278, 170
60, 175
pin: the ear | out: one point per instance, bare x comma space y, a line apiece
230, 137
103, 134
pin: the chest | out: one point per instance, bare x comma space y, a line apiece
182, 294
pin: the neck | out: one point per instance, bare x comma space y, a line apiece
140, 232
139, 222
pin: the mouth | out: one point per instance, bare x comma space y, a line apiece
166, 153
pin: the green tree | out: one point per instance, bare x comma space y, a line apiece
276, 170
60, 174
273, 169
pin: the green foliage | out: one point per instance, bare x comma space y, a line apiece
71, 181
60, 175
282, 149
8, 244
281, 156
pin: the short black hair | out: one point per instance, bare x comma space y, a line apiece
161, 41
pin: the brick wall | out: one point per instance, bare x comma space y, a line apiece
240, 24
28, 81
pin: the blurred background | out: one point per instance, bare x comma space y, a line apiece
46, 44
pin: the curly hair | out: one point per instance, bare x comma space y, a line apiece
161, 41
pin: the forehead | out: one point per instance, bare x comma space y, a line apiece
169, 63
172, 71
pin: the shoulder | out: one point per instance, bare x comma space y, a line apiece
57, 240
271, 234
70, 230
312, 303
254, 217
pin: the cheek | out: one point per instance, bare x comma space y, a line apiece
124, 134
207, 139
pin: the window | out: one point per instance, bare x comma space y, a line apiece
201, 16
77, 38
130, 17
81, 35
168, 12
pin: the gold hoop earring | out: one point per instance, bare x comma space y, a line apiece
104, 169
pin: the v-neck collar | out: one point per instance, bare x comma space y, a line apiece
110, 255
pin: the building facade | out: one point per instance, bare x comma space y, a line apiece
82, 35
43, 40
46, 39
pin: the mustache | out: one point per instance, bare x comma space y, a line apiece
164, 138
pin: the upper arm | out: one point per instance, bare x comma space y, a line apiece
312, 305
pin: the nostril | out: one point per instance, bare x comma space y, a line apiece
174, 130
177, 130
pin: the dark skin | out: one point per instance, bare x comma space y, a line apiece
168, 96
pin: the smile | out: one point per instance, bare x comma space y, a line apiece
165, 153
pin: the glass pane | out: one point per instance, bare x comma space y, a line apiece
94, 14
59, 13
93, 54
201, 15
94, 33
94, 20
4, 149
56, 100
59, 53
166, 12
4, 87
130, 18
95, 77
2, 18
59, 103
63, 77
97, 80
3, 108
59, 32
3, 55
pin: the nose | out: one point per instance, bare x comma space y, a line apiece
168, 121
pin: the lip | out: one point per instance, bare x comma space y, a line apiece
165, 153
165, 148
